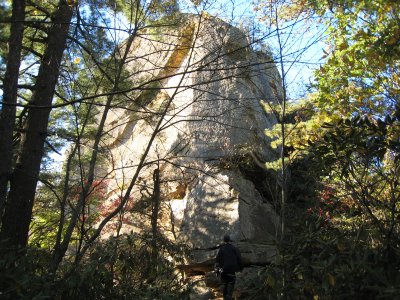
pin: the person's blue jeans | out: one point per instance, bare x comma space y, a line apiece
228, 280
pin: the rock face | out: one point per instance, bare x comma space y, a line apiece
195, 112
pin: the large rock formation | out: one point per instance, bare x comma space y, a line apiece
198, 111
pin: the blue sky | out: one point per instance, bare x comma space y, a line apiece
303, 49
298, 64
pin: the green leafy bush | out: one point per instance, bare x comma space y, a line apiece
118, 268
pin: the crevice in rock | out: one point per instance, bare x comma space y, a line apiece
252, 171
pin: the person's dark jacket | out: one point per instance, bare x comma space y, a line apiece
229, 258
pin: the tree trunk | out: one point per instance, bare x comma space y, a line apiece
10, 83
18, 210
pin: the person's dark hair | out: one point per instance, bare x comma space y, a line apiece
227, 238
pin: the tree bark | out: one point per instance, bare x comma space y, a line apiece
18, 210
8, 111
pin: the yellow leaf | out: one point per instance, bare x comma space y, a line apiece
331, 279
341, 246
72, 2
270, 281
77, 60
391, 41
205, 15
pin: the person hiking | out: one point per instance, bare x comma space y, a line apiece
228, 261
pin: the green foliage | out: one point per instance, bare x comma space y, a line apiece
5, 13
300, 124
322, 262
163, 8
362, 53
126, 267
119, 268
349, 246
345, 146
345, 185
123, 268
361, 158
25, 276
360, 74
139, 10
